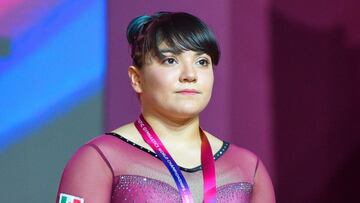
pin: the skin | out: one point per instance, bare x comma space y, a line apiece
174, 114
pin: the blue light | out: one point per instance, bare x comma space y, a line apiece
44, 83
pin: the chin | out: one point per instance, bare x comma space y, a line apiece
188, 112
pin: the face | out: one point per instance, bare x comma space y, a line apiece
178, 85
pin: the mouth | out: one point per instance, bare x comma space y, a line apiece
188, 92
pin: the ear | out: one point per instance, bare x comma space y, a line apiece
134, 75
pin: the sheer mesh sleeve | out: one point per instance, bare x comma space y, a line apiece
87, 175
263, 188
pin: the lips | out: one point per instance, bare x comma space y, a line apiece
188, 91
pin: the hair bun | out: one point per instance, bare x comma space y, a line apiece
136, 27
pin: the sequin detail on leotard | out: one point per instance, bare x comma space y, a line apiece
234, 192
133, 188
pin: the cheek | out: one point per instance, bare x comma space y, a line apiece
158, 83
211, 82
208, 80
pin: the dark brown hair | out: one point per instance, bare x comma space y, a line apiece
180, 31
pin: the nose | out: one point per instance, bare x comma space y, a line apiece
188, 73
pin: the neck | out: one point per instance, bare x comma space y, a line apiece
181, 132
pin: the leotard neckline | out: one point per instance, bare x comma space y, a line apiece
217, 155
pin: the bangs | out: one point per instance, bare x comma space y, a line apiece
180, 32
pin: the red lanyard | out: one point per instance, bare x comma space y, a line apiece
207, 162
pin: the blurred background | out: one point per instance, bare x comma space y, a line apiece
287, 88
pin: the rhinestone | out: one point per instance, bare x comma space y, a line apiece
130, 186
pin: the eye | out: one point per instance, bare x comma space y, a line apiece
169, 61
203, 62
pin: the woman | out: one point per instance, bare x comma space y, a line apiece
164, 155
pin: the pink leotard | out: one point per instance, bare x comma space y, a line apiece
112, 169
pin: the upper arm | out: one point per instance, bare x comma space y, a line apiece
87, 175
263, 190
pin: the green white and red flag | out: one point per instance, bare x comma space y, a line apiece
66, 198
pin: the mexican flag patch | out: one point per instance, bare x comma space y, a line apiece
65, 198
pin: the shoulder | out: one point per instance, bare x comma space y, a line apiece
88, 160
242, 153
243, 158
101, 152
102, 146
95, 149
87, 168
109, 145
113, 139
236, 152
102, 141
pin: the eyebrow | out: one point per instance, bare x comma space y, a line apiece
170, 50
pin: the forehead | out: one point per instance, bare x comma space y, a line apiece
177, 50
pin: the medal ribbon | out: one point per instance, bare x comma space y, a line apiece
207, 162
